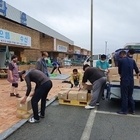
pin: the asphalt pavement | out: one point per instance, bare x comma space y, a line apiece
63, 122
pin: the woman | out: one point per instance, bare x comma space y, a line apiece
43, 86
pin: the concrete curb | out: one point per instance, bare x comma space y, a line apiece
16, 126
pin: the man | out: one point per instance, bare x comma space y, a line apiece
13, 76
43, 86
102, 64
116, 56
56, 65
126, 66
42, 64
75, 78
98, 81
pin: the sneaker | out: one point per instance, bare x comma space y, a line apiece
97, 104
121, 113
32, 120
89, 107
103, 98
41, 116
132, 112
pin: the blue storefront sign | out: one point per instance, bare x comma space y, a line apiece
23, 18
3, 8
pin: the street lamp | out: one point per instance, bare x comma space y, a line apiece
91, 39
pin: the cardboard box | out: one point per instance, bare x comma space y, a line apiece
136, 82
82, 95
27, 106
75, 89
63, 94
88, 86
113, 78
113, 71
63, 89
72, 95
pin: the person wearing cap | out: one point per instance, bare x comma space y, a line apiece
43, 86
13, 76
98, 81
41, 63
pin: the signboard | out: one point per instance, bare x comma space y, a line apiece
3, 8
23, 18
77, 51
61, 48
14, 38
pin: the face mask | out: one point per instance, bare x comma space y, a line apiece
14, 61
45, 58
102, 61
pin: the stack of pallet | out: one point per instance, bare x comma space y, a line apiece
73, 96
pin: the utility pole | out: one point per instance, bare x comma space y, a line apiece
105, 47
91, 39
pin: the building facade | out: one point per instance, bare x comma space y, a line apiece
27, 37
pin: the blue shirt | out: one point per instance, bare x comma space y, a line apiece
126, 66
102, 65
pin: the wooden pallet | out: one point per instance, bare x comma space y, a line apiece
75, 102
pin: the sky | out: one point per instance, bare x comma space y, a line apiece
115, 23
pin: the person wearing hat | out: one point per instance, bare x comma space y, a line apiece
98, 81
43, 86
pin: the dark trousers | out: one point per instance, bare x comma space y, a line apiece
41, 92
54, 70
76, 83
126, 95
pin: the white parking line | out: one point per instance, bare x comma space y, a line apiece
113, 113
91, 118
89, 124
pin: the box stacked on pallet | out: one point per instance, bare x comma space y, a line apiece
73, 96
24, 111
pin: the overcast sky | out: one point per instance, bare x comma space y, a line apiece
116, 22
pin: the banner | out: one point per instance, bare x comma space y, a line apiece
14, 38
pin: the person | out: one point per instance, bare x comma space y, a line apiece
13, 76
43, 86
41, 63
56, 65
116, 56
126, 65
98, 81
75, 78
103, 65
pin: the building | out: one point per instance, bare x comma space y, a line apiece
27, 37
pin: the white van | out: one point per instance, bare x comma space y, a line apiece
96, 57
